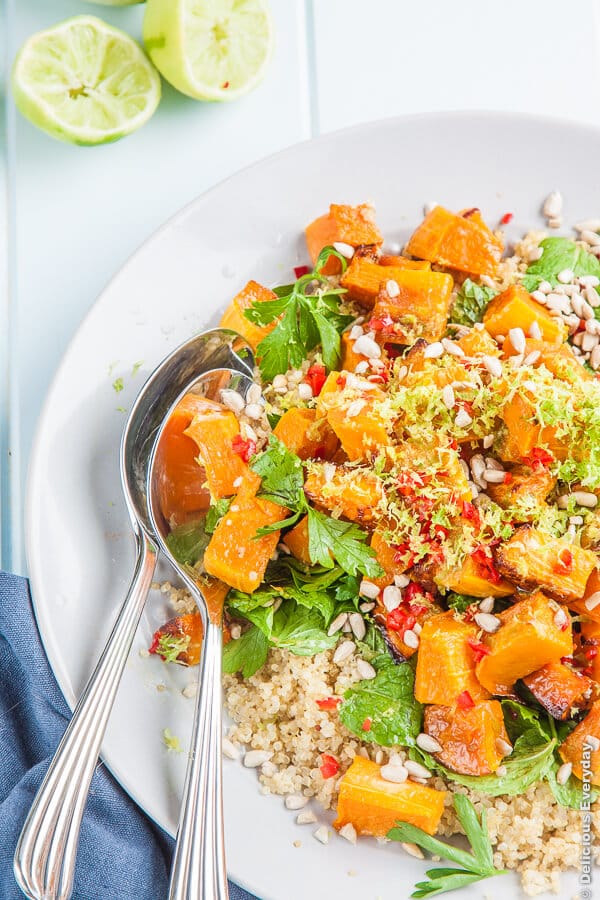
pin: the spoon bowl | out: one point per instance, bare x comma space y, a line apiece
45, 856
199, 869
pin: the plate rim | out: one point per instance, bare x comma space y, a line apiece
36, 457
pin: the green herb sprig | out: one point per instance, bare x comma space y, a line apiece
306, 321
474, 866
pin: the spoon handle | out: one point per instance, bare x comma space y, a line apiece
44, 862
199, 870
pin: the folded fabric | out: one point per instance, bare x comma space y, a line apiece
123, 855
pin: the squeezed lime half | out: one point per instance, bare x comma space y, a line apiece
209, 49
85, 82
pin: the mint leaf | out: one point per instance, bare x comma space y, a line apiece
559, 253
301, 632
188, 542
344, 540
247, 654
388, 701
527, 764
215, 513
471, 302
521, 721
570, 794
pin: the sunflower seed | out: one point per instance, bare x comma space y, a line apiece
592, 741
366, 607
401, 581
539, 296
448, 397
487, 622
357, 624
229, 749
393, 288
392, 597
355, 332
532, 358
337, 623
305, 392
564, 773
254, 411
412, 850
585, 498
462, 419
322, 834
348, 831
368, 589
592, 601
452, 348
395, 774
493, 365
428, 743
494, 476
566, 276
488, 441
232, 400
355, 408
307, 817
416, 769
255, 758
343, 652
503, 747
295, 801
487, 605
432, 351
553, 205
365, 670
411, 639
346, 250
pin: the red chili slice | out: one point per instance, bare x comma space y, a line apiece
564, 562
538, 458
243, 448
506, 218
316, 377
328, 702
465, 701
470, 512
486, 563
478, 649
329, 766
299, 271
366, 725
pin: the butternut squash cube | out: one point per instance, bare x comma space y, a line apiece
353, 225
297, 541
590, 637
530, 635
526, 490
234, 317
524, 433
403, 262
445, 663
374, 805
470, 579
469, 737
361, 435
352, 493
385, 554
560, 690
457, 241
557, 358
234, 554
478, 342
575, 749
350, 359
213, 430
533, 559
516, 308
305, 435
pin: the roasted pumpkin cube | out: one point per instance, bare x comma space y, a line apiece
234, 317
524, 433
403, 262
471, 579
471, 739
559, 359
334, 384
305, 435
358, 423
478, 342
352, 493
533, 559
182, 489
576, 748
181, 631
524, 492
446, 663
530, 635
516, 308
374, 805
460, 242
353, 225
421, 306
297, 541
350, 359
213, 430
590, 646
234, 554
386, 555
560, 690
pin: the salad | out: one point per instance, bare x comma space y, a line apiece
401, 519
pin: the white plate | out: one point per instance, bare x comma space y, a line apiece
80, 553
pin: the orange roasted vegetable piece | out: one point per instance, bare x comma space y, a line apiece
403, 262
477, 341
524, 433
353, 225
186, 629
297, 541
460, 242
234, 554
306, 436
525, 491
579, 606
362, 431
516, 308
352, 492
532, 559
471, 579
394, 625
590, 645
182, 481
560, 690
470, 738
385, 554
374, 805
530, 635
446, 663
213, 430
575, 749
234, 317
350, 359
559, 359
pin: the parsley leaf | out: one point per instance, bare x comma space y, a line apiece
188, 542
305, 321
215, 513
247, 654
471, 302
559, 253
302, 633
474, 866
281, 473
388, 701
344, 540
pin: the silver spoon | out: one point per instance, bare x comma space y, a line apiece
199, 870
44, 861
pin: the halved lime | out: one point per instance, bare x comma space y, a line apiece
209, 49
85, 82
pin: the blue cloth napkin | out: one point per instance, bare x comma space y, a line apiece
122, 854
